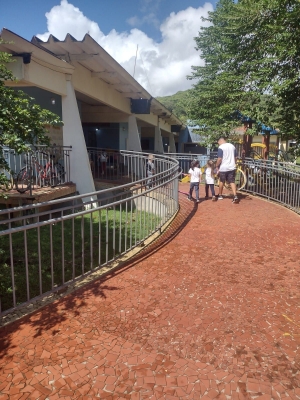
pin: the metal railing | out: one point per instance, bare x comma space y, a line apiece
110, 164
278, 181
48, 246
107, 164
185, 159
42, 162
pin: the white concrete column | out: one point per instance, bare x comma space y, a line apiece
80, 170
133, 141
123, 135
158, 143
135, 166
172, 146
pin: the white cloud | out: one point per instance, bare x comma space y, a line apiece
162, 67
74, 22
149, 19
134, 21
147, 6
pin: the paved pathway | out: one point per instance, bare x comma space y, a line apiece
212, 313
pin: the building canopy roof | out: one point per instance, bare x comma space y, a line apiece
89, 54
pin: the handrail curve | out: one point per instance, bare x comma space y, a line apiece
50, 245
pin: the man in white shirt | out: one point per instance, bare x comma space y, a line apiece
226, 167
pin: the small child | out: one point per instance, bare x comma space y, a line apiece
150, 170
210, 179
195, 175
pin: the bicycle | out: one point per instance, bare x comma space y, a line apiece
266, 176
240, 178
50, 174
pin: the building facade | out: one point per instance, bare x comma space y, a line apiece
101, 105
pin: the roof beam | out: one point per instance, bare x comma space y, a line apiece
104, 74
122, 86
156, 111
77, 57
131, 95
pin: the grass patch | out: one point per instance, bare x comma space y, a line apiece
69, 249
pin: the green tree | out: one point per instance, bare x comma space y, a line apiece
251, 52
178, 104
22, 121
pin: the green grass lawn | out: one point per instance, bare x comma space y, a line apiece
78, 246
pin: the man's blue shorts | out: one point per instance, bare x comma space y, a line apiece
227, 176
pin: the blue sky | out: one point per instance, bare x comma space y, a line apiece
27, 17
162, 30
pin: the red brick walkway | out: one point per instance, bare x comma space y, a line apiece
213, 313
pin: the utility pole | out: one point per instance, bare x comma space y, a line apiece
137, 46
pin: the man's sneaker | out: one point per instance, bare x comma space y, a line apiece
214, 198
189, 198
220, 197
197, 201
235, 199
